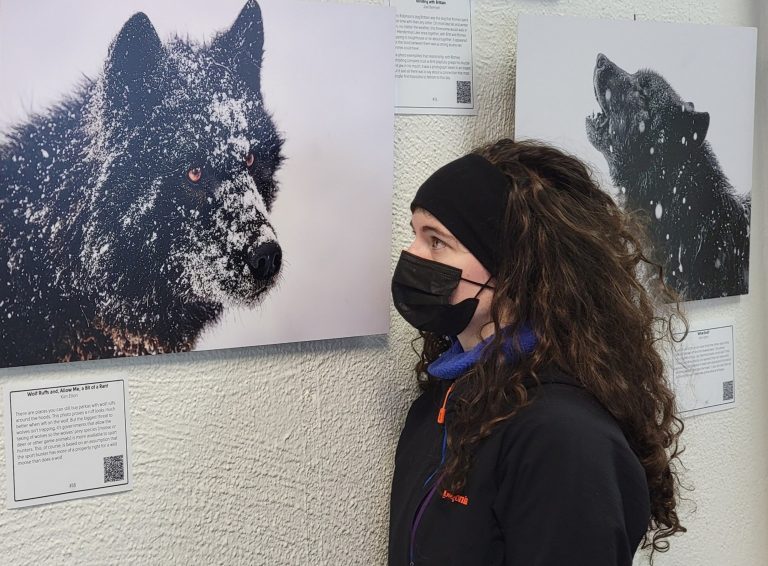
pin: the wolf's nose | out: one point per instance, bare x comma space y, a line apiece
264, 261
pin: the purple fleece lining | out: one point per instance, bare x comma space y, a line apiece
454, 362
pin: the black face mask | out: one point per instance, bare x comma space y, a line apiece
421, 291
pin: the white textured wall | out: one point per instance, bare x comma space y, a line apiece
283, 454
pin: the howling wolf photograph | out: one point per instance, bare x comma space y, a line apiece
668, 127
183, 184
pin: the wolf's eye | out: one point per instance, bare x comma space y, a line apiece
249, 159
194, 174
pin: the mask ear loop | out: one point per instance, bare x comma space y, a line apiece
481, 285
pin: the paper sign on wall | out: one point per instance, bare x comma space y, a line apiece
433, 57
703, 371
66, 441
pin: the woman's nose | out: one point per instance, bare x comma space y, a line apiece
416, 249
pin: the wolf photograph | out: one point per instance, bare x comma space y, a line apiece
657, 153
674, 146
139, 200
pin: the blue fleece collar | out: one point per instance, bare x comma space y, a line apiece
454, 362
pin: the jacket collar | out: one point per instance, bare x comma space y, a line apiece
548, 375
551, 375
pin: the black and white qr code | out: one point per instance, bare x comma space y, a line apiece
114, 470
728, 390
464, 92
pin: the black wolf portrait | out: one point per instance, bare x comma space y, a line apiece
658, 157
136, 209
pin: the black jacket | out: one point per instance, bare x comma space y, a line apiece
556, 485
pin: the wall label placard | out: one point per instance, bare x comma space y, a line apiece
66, 441
702, 369
433, 57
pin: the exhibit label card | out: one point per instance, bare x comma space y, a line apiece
66, 441
433, 57
703, 371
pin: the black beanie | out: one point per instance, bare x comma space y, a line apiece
468, 196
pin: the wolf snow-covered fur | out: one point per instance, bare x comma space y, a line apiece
658, 157
132, 212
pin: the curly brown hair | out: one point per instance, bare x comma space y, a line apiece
575, 267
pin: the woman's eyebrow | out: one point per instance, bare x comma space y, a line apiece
441, 233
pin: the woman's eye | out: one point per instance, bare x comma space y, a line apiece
195, 174
437, 243
249, 159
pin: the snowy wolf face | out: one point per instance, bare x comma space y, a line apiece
641, 120
185, 155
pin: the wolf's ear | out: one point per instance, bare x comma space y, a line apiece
691, 124
242, 46
130, 72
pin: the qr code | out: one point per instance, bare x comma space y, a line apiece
464, 92
113, 468
728, 390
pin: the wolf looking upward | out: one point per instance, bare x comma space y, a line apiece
657, 154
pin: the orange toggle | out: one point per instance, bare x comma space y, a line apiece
441, 413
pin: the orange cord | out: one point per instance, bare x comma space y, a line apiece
441, 413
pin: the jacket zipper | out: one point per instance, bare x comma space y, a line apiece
419, 512
428, 497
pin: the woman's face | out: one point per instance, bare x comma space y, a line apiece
433, 241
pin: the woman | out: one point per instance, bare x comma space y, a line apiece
545, 432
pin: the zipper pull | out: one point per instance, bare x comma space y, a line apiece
441, 412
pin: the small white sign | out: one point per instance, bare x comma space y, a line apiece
433, 57
703, 371
66, 441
